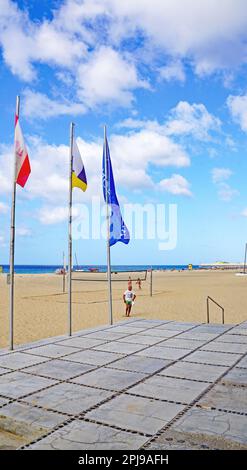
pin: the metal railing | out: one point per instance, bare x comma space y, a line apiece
218, 305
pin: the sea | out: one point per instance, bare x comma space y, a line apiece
48, 269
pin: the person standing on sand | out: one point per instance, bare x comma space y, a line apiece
139, 283
128, 298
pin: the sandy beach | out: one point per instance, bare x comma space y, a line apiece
41, 307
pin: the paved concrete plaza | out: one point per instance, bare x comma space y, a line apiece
137, 384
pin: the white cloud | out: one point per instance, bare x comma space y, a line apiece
224, 190
231, 143
138, 149
107, 78
55, 46
25, 43
39, 105
131, 154
6, 168
244, 212
192, 119
226, 193
3, 208
86, 38
23, 232
176, 184
221, 174
173, 71
54, 215
73, 14
212, 152
173, 26
131, 123
3, 241
238, 108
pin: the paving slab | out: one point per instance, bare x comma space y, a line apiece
81, 342
213, 328
136, 413
226, 397
189, 370
87, 331
18, 360
177, 440
18, 384
193, 334
128, 326
239, 331
51, 350
18, 415
243, 362
3, 370
128, 330
163, 352
59, 369
178, 326
68, 398
149, 323
141, 339
106, 335
161, 333
121, 348
4, 352
135, 376
170, 389
236, 339
219, 346
40, 342
213, 423
182, 326
90, 356
146, 365
109, 379
235, 376
80, 435
3, 401
181, 343
214, 358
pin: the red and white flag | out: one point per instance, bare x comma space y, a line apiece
22, 168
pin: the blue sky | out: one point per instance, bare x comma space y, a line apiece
169, 80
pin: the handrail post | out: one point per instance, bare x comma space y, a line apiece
207, 310
216, 303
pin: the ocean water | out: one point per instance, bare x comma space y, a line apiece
46, 269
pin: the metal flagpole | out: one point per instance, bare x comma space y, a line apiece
107, 185
70, 233
12, 247
64, 271
245, 257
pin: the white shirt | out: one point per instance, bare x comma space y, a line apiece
129, 294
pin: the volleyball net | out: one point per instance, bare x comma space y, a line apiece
124, 276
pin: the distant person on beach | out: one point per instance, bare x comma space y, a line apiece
129, 283
128, 298
139, 283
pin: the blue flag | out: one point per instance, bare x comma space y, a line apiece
118, 229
